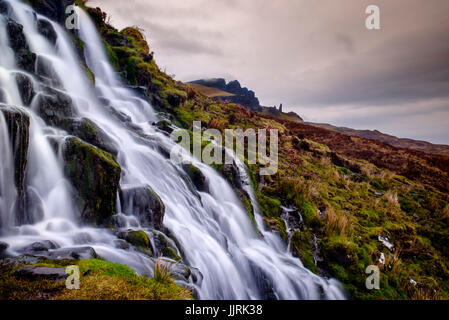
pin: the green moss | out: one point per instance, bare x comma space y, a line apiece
301, 243
95, 175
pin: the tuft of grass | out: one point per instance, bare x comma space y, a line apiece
162, 272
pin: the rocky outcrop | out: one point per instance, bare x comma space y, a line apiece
95, 175
18, 123
144, 203
242, 95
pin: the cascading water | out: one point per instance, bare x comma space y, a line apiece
228, 258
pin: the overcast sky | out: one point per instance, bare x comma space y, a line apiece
314, 56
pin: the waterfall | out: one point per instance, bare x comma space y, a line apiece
228, 258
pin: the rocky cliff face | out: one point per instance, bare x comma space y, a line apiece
242, 95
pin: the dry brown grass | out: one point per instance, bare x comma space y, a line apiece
338, 224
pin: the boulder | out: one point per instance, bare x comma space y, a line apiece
55, 107
138, 239
197, 177
41, 273
45, 28
18, 123
26, 88
25, 59
88, 131
95, 175
39, 246
144, 203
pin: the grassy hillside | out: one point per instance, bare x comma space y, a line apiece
355, 196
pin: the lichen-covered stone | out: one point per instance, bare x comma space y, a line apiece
144, 203
95, 175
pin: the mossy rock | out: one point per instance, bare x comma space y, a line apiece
144, 203
95, 175
139, 239
340, 250
88, 131
197, 177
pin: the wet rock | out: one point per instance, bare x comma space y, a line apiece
18, 123
164, 125
139, 239
88, 131
55, 107
25, 59
82, 238
197, 177
21, 260
95, 175
46, 72
121, 244
26, 88
79, 253
34, 206
45, 28
5, 8
3, 246
166, 247
40, 246
143, 202
2, 96
231, 173
263, 282
41, 273
54, 9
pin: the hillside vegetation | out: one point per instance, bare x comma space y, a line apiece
356, 202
